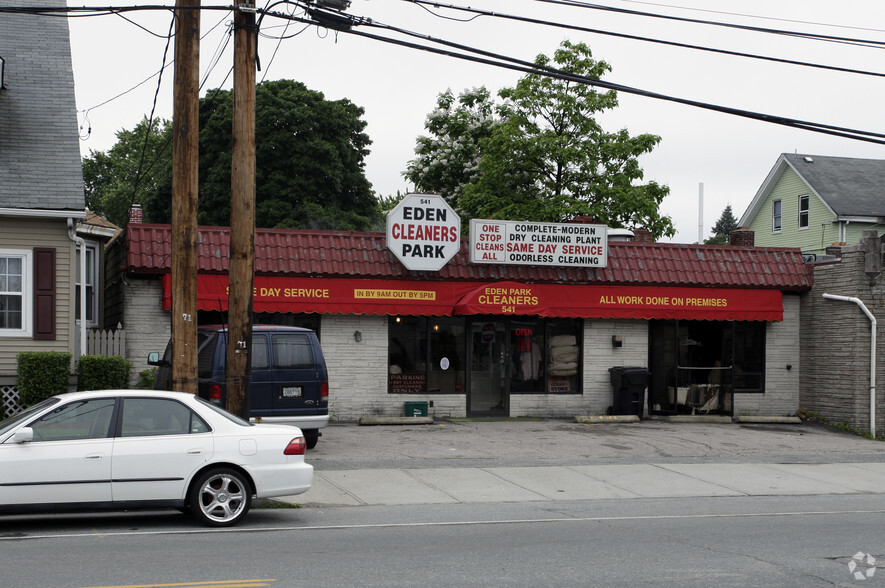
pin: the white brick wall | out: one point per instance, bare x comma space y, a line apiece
148, 326
600, 355
358, 372
781, 397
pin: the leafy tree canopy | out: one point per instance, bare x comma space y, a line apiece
309, 163
723, 228
540, 154
112, 179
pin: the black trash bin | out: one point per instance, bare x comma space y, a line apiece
628, 389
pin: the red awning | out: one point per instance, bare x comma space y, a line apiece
392, 297
637, 302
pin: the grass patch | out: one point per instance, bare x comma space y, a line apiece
270, 503
842, 427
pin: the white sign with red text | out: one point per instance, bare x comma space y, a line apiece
530, 243
423, 232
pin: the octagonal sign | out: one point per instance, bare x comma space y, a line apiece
423, 232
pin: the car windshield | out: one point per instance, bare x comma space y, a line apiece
231, 417
14, 420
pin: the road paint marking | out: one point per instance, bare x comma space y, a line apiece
209, 584
449, 524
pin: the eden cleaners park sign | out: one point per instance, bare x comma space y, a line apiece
423, 232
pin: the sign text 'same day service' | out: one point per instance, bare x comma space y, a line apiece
531, 243
423, 232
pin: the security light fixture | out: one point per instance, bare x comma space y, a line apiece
357, 336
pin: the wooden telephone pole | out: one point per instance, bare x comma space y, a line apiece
185, 187
242, 214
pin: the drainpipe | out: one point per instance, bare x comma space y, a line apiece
72, 234
870, 316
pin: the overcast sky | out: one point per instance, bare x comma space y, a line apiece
398, 86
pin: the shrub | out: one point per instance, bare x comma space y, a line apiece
42, 374
146, 379
99, 372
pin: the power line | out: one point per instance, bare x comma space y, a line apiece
489, 58
756, 29
478, 13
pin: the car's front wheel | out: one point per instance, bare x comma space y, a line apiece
220, 497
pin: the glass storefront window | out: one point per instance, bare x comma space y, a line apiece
697, 366
749, 357
563, 351
447, 353
407, 349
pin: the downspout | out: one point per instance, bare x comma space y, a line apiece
72, 234
870, 316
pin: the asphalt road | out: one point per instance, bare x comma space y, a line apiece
724, 541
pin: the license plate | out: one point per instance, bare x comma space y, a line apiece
291, 391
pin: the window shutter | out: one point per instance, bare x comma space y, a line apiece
44, 293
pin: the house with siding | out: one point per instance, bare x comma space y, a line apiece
813, 202
41, 194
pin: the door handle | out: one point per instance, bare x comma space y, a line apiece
94, 456
194, 451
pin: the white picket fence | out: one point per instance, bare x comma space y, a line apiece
106, 342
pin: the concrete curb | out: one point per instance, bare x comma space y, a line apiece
593, 420
699, 418
769, 419
387, 420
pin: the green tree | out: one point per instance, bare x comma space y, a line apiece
310, 168
543, 156
131, 171
723, 228
448, 160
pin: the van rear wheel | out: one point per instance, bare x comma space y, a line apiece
311, 436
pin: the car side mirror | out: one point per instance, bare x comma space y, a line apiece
23, 435
154, 359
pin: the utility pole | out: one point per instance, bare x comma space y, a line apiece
185, 188
242, 214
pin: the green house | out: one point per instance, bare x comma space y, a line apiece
812, 202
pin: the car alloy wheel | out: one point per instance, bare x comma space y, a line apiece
220, 497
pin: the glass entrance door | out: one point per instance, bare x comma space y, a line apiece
489, 368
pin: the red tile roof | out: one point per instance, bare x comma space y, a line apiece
364, 255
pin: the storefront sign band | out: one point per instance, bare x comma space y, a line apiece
402, 297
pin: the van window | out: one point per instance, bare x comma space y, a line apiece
259, 353
292, 352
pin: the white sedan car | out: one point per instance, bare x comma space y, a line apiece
122, 449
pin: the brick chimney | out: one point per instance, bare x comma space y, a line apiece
743, 237
135, 214
641, 235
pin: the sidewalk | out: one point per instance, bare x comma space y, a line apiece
513, 461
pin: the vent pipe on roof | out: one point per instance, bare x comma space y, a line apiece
620, 235
700, 213
872, 318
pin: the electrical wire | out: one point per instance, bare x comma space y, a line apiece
488, 58
582, 29
815, 36
756, 16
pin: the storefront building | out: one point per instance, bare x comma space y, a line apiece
717, 327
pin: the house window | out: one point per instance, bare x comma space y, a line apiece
89, 284
776, 216
15, 293
803, 211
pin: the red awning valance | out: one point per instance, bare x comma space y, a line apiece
392, 297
